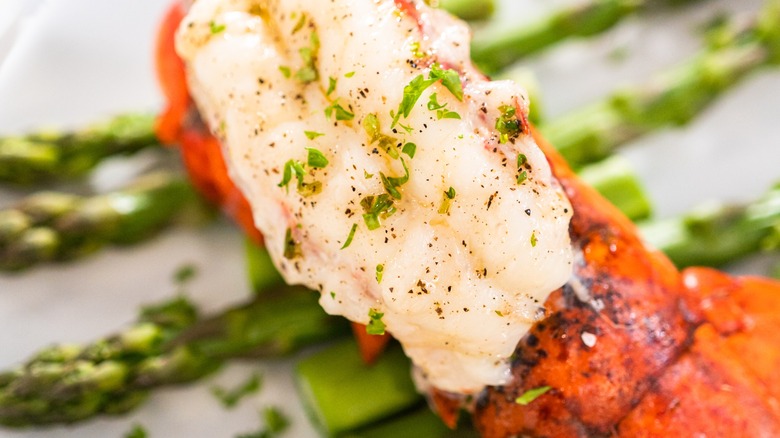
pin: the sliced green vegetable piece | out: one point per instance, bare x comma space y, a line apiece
341, 393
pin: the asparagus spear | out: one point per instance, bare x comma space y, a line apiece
169, 345
497, 48
57, 155
470, 10
716, 234
51, 226
673, 98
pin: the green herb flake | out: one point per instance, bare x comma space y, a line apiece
350, 74
391, 184
275, 420
446, 201
416, 52
507, 124
299, 25
409, 149
292, 247
340, 113
386, 143
531, 395
184, 274
372, 221
522, 177
533, 239
350, 236
316, 159
308, 73
231, 397
285, 71
332, 82
441, 109
412, 93
292, 167
376, 208
137, 431
449, 78
521, 160
375, 325
216, 28
380, 270
333, 295
275, 424
389, 187
311, 135
367, 175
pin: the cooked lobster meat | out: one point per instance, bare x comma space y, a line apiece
685, 353
629, 345
364, 168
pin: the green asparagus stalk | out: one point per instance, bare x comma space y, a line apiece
169, 345
497, 48
716, 234
342, 393
470, 10
616, 180
60, 155
52, 226
673, 98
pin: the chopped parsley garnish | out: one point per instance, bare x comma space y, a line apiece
507, 124
316, 159
446, 201
332, 82
380, 270
350, 237
441, 110
275, 424
386, 143
412, 93
522, 175
137, 431
216, 28
231, 397
308, 73
391, 184
449, 78
375, 325
367, 175
407, 128
521, 160
275, 421
333, 295
336, 109
185, 273
409, 149
285, 71
533, 239
416, 50
290, 167
350, 74
450, 193
292, 247
299, 25
376, 208
531, 395
311, 135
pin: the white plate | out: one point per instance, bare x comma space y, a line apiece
80, 60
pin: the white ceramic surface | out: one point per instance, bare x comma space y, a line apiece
78, 60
